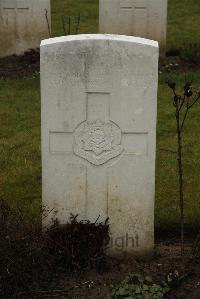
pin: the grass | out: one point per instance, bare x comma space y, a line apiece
20, 179
183, 23
88, 10
20, 161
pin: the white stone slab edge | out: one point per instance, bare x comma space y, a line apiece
79, 37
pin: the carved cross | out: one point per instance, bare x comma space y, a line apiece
98, 141
131, 5
16, 8
136, 15
15, 19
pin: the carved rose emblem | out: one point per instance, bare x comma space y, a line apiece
97, 138
97, 142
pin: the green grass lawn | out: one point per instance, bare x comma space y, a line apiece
20, 161
20, 179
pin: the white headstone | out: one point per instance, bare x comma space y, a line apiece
99, 99
143, 18
23, 25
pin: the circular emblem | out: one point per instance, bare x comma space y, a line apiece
97, 142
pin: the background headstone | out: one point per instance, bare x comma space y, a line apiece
143, 18
99, 100
23, 25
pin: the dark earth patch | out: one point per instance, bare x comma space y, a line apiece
70, 262
23, 65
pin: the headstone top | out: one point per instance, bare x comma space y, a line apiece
123, 38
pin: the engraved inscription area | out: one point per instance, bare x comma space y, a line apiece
126, 4
12, 15
97, 141
16, 8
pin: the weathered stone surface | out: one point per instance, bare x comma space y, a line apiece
23, 25
143, 18
99, 99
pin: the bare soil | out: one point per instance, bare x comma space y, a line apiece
23, 65
166, 260
93, 285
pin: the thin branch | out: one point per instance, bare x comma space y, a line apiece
194, 102
187, 110
48, 25
184, 118
78, 23
69, 31
45, 216
63, 25
168, 150
182, 103
178, 102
